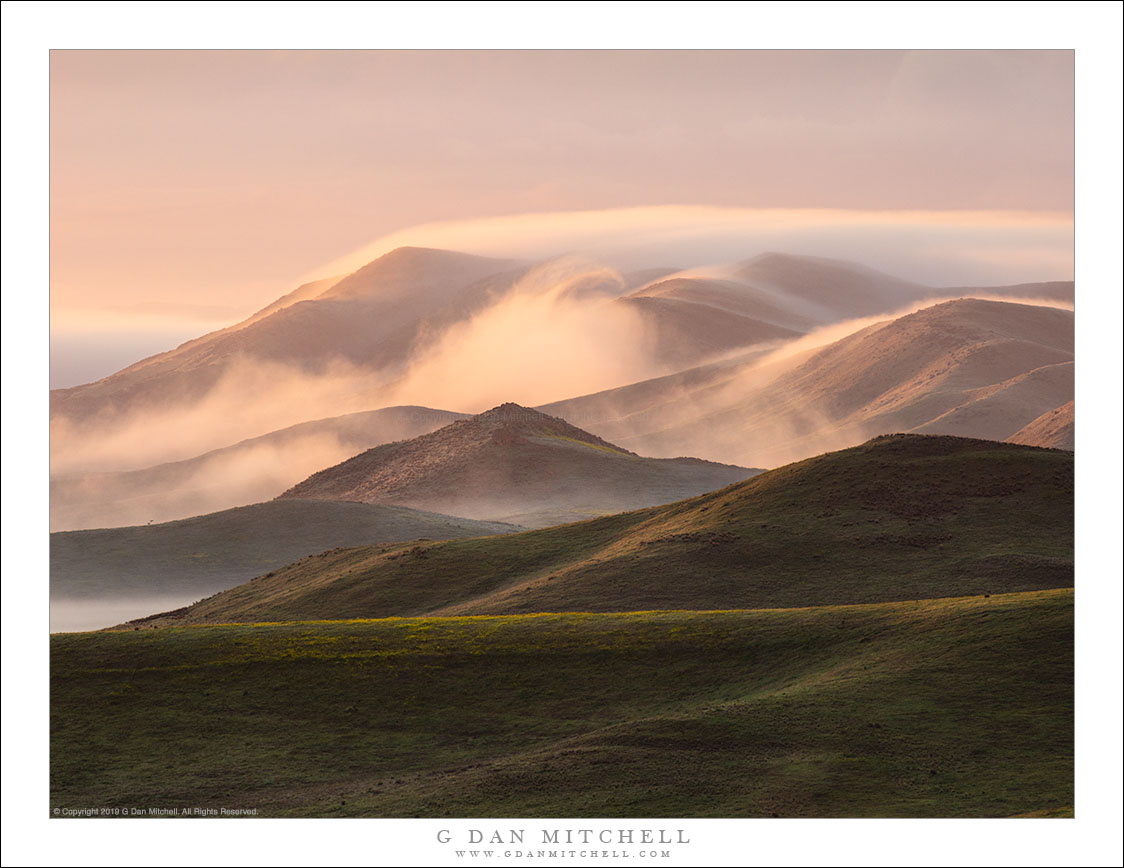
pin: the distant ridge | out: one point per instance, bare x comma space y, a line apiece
209, 553
375, 317
968, 367
217, 480
828, 289
516, 464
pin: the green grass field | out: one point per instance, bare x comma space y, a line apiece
939, 708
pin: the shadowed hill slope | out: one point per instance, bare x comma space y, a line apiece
685, 333
209, 553
729, 296
826, 290
899, 518
514, 464
802, 292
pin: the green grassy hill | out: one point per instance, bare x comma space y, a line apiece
952, 707
210, 552
902, 517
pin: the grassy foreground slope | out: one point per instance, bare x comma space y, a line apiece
952, 707
899, 518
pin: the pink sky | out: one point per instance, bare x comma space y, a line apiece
198, 185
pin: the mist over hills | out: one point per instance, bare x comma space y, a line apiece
834, 574
511, 461
968, 367
380, 318
899, 518
715, 363
247, 472
828, 290
374, 317
208, 553
728, 296
514, 464
683, 333
416, 326
401, 288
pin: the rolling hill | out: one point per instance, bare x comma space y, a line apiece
682, 334
514, 464
383, 314
899, 518
801, 293
208, 553
970, 367
377, 320
728, 296
375, 317
827, 290
1053, 429
959, 370
940, 708
830, 290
